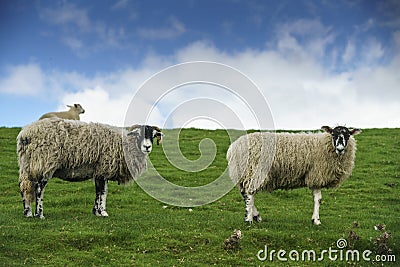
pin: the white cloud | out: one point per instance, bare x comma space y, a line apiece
304, 37
99, 105
173, 29
304, 27
302, 92
349, 52
366, 26
396, 38
23, 80
79, 32
205, 105
121, 4
66, 14
373, 52
106, 97
72, 42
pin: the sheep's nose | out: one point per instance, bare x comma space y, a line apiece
147, 148
340, 150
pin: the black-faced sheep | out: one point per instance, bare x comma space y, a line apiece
270, 161
77, 151
71, 114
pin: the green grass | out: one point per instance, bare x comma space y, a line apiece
142, 232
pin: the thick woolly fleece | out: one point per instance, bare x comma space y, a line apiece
76, 151
269, 161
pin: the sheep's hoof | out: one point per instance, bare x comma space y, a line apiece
28, 214
100, 213
316, 221
104, 213
248, 221
39, 216
257, 218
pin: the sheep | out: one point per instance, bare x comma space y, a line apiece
71, 114
78, 151
270, 161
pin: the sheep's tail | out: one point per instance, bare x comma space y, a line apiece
235, 173
26, 188
250, 159
28, 192
25, 184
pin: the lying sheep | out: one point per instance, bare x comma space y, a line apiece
78, 151
71, 114
270, 161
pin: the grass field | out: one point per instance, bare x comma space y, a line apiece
142, 231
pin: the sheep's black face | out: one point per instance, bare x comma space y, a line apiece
146, 135
340, 137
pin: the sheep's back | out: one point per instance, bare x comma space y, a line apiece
48, 115
294, 157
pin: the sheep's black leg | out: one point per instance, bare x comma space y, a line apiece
244, 195
27, 207
39, 188
99, 208
256, 214
248, 215
251, 211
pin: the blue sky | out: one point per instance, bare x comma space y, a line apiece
316, 62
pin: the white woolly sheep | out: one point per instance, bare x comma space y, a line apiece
270, 161
71, 114
78, 151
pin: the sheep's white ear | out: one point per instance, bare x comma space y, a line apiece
327, 129
355, 131
134, 132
